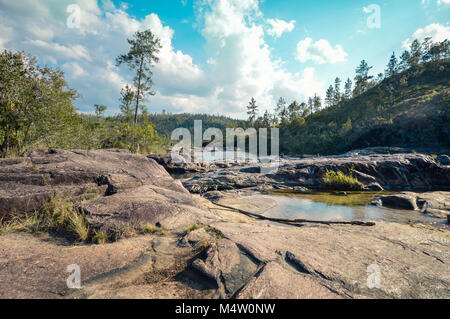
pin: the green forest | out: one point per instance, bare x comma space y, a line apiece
407, 105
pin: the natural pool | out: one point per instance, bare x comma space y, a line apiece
328, 206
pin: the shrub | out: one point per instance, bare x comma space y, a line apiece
339, 180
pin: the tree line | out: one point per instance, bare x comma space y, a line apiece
427, 51
36, 105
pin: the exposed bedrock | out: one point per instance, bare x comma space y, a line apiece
402, 171
127, 190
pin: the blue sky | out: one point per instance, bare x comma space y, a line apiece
217, 54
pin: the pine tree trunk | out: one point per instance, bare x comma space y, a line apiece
138, 90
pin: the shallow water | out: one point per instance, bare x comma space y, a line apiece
331, 207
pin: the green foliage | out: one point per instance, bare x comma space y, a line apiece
339, 180
408, 109
100, 237
144, 47
35, 104
252, 110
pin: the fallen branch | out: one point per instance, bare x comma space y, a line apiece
296, 222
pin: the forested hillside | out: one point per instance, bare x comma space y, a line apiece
166, 123
411, 108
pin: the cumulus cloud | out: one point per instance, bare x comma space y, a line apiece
243, 66
320, 52
76, 52
87, 54
278, 27
435, 31
239, 65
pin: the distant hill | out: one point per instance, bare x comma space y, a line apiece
409, 109
166, 123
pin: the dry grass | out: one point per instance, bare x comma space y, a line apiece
100, 237
58, 214
152, 229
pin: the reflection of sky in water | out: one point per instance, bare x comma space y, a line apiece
292, 208
300, 208
220, 156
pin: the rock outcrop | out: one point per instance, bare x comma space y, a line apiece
375, 171
436, 204
132, 190
208, 251
179, 165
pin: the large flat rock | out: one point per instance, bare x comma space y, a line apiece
132, 189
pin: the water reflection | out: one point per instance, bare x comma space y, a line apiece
293, 207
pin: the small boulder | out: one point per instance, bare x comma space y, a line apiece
443, 159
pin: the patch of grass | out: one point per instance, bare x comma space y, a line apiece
90, 193
58, 214
215, 232
152, 229
100, 237
122, 231
339, 180
193, 227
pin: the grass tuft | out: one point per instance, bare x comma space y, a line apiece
339, 180
193, 227
152, 229
58, 214
100, 237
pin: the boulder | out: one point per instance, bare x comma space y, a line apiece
404, 200
435, 204
132, 189
179, 165
443, 159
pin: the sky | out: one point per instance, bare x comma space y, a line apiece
218, 54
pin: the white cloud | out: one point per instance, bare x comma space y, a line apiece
240, 64
436, 31
73, 69
59, 51
244, 67
278, 27
320, 52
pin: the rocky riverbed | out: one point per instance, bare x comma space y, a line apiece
209, 250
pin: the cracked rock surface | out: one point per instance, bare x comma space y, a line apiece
226, 254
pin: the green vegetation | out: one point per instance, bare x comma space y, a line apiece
36, 106
193, 227
165, 123
217, 234
100, 237
152, 229
339, 180
407, 106
57, 215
